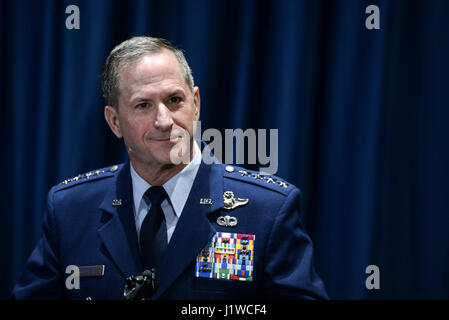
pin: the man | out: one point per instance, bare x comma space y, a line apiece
208, 231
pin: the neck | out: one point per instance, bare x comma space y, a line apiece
157, 176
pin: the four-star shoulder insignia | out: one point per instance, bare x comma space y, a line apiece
89, 175
260, 178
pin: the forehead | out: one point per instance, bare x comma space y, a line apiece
152, 69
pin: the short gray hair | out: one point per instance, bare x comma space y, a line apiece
130, 51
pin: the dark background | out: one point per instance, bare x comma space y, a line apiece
362, 118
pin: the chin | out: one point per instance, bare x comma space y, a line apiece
180, 154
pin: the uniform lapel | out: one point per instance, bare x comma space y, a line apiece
193, 229
118, 233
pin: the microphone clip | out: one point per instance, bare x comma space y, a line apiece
141, 287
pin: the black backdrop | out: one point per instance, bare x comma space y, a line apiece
362, 118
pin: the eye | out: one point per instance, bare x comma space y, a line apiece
142, 105
175, 99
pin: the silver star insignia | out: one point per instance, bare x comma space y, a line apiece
269, 180
257, 176
283, 184
244, 173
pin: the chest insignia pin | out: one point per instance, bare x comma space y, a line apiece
206, 201
230, 202
117, 202
227, 221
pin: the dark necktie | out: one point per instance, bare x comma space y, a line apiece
153, 233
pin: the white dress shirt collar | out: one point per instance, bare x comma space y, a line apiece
177, 188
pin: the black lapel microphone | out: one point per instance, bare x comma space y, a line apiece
141, 287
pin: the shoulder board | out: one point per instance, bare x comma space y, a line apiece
254, 177
89, 176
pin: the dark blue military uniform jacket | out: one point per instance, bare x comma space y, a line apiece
89, 222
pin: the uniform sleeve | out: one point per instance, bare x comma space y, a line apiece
289, 271
41, 278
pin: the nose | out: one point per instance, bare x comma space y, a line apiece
163, 120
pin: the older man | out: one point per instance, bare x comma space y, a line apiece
205, 231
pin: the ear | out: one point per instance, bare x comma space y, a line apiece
197, 102
111, 116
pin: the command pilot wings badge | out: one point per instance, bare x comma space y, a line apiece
230, 202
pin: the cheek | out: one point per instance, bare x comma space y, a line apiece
135, 128
185, 119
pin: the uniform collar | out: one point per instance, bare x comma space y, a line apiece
177, 188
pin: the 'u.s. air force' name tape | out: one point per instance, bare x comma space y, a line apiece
227, 256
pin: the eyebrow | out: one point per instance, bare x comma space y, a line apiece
176, 92
171, 94
138, 100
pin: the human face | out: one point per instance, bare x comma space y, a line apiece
156, 112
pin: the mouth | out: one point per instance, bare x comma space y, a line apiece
174, 139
